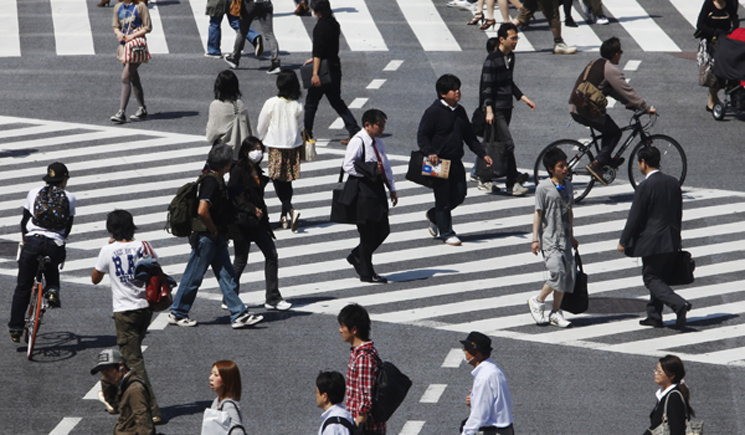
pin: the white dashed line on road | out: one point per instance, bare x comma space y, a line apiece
433, 393
412, 427
454, 358
357, 103
393, 65
68, 424
632, 65
376, 84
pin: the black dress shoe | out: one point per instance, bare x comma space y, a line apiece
680, 322
351, 259
374, 279
652, 323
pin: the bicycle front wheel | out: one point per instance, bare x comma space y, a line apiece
673, 160
34, 319
578, 156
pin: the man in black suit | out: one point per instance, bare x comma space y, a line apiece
653, 232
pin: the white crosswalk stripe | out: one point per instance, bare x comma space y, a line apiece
428, 20
482, 285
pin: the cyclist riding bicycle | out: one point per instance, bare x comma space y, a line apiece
609, 80
46, 223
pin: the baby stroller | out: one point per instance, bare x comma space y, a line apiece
729, 68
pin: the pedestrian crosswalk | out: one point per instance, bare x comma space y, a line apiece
481, 285
366, 26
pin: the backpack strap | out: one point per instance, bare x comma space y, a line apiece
339, 420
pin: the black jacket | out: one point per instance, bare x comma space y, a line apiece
676, 412
326, 42
442, 131
653, 225
248, 196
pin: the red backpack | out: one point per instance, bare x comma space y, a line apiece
158, 289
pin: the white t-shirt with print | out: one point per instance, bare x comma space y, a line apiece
118, 260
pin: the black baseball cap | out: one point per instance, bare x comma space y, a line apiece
56, 172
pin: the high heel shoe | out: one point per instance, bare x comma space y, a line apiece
103, 3
488, 23
477, 18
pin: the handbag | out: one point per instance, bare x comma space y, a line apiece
478, 121
705, 60
158, 288
577, 301
682, 269
217, 421
693, 427
341, 212
308, 149
588, 99
414, 173
135, 51
496, 151
306, 74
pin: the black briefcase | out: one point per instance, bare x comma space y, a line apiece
306, 74
342, 213
577, 301
682, 271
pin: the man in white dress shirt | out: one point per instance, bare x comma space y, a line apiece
330, 390
489, 399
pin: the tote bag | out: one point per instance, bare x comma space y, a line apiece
577, 301
217, 421
495, 150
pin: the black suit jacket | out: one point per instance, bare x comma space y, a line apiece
653, 225
676, 413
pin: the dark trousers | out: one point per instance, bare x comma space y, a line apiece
449, 194
131, 327
264, 12
611, 135
264, 241
372, 235
502, 118
332, 91
656, 270
28, 264
284, 193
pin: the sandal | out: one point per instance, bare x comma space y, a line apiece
488, 23
477, 18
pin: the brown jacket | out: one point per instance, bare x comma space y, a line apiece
134, 407
613, 84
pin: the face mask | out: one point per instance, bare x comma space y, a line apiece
468, 360
255, 156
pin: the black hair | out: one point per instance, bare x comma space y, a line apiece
226, 86
288, 85
447, 83
504, 29
492, 44
552, 157
650, 155
121, 225
610, 47
355, 316
674, 369
373, 116
220, 155
322, 8
332, 383
249, 144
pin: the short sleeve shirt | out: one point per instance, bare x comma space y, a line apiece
32, 229
209, 190
556, 206
118, 260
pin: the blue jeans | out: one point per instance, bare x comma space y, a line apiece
215, 33
206, 252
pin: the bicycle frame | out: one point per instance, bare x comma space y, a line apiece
636, 127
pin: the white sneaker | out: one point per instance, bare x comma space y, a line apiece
462, 4
279, 306
557, 319
453, 241
224, 306
537, 310
602, 20
519, 190
184, 321
246, 319
101, 398
433, 230
488, 186
563, 48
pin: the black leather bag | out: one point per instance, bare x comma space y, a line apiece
577, 301
683, 268
478, 121
306, 74
414, 173
342, 210
495, 150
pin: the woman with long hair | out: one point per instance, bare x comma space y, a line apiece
228, 121
131, 20
673, 397
280, 129
225, 380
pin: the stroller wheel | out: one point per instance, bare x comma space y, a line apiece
718, 111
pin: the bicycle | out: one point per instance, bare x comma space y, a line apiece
579, 155
37, 306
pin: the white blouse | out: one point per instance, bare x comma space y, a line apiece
281, 123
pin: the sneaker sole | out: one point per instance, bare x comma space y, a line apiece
597, 177
560, 326
537, 321
275, 308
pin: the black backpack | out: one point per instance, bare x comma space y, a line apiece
351, 427
51, 208
182, 212
391, 387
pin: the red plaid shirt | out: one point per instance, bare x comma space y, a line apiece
361, 373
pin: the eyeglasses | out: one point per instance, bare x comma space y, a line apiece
513, 38
658, 372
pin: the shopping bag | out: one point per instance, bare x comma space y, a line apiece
577, 301
496, 151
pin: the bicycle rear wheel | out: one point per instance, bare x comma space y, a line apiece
673, 160
34, 319
578, 156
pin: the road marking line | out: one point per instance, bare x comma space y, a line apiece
289, 28
9, 30
427, 24
358, 26
433, 393
689, 10
376, 84
454, 358
411, 427
632, 65
640, 25
92, 394
160, 322
338, 124
582, 37
156, 39
357, 103
65, 426
72, 27
393, 65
